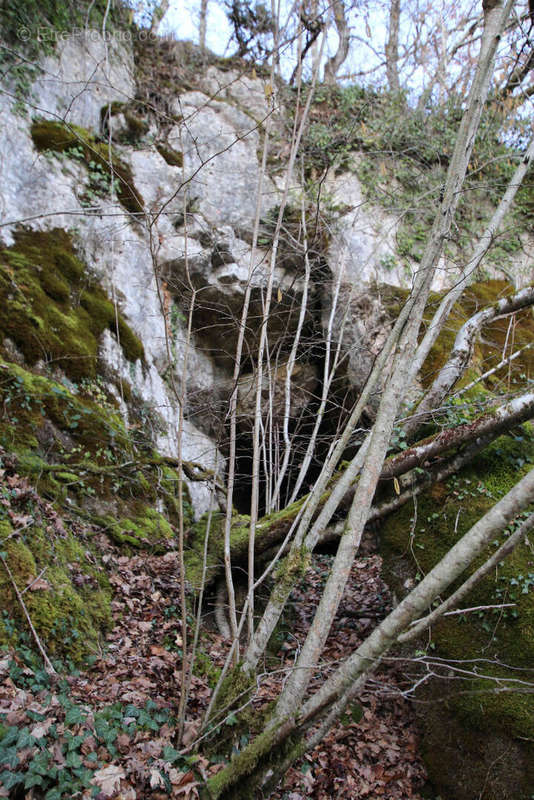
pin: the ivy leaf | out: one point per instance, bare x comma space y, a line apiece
9, 757
10, 779
170, 754
74, 716
32, 779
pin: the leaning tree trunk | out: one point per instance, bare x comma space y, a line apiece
330, 701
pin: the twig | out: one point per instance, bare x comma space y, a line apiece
477, 608
29, 586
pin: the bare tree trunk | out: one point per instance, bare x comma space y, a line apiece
332, 698
463, 346
333, 64
158, 14
482, 247
202, 24
392, 47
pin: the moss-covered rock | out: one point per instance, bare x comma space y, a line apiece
174, 158
73, 443
72, 446
148, 528
52, 311
101, 160
501, 337
503, 638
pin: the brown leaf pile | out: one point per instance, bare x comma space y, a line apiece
141, 662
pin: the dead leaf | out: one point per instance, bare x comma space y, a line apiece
42, 728
88, 746
123, 742
156, 780
108, 779
191, 731
40, 585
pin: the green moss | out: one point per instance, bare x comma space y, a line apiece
174, 158
51, 310
68, 621
56, 136
131, 344
147, 529
79, 143
102, 315
194, 554
240, 778
88, 467
444, 514
490, 347
205, 668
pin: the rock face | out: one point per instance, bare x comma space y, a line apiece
186, 254
363, 247
87, 73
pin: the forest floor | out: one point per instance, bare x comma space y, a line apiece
108, 730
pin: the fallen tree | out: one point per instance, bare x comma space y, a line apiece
434, 459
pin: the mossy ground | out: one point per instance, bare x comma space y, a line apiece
70, 606
74, 446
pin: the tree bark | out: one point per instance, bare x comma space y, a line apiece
333, 64
158, 14
202, 24
392, 46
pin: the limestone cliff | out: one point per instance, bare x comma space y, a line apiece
135, 221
